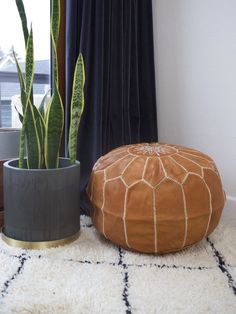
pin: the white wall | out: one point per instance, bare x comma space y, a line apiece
195, 56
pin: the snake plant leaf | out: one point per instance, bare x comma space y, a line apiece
55, 111
32, 137
55, 27
19, 114
41, 130
23, 129
21, 120
21, 11
55, 64
40, 126
77, 107
47, 110
29, 64
43, 103
29, 122
30, 132
23, 103
22, 84
19, 72
55, 19
38, 115
54, 129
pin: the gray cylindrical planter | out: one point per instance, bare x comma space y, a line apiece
42, 207
9, 143
9, 148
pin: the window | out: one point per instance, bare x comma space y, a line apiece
38, 13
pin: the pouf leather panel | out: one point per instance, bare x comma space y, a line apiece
155, 198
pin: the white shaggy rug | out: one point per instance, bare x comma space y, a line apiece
93, 276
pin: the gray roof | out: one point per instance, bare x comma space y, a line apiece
40, 66
10, 89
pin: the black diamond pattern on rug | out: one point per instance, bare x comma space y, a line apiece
95, 258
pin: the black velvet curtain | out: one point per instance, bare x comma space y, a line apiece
116, 40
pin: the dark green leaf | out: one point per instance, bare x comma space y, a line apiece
77, 107
54, 128
42, 104
21, 11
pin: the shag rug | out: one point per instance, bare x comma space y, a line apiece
93, 276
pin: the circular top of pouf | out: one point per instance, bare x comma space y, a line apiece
155, 198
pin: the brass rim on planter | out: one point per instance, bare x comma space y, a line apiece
38, 245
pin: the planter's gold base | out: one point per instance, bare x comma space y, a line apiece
38, 245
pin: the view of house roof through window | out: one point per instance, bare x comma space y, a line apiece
11, 37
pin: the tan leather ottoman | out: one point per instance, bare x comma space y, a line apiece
155, 198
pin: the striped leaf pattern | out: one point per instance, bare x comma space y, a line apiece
28, 123
21, 10
55, 27
54, 128
43, 103
77, 107
55, 112
29, 64
33, 143
43, 129
20, 75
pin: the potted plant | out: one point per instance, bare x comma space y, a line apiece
41, 191
9, 146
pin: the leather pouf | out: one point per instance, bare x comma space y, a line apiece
155, 198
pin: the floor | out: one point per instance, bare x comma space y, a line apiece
91, 275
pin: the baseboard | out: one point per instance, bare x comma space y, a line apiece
229, 212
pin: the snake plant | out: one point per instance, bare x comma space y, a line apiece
42, 130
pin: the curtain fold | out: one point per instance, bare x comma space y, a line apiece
116, 40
